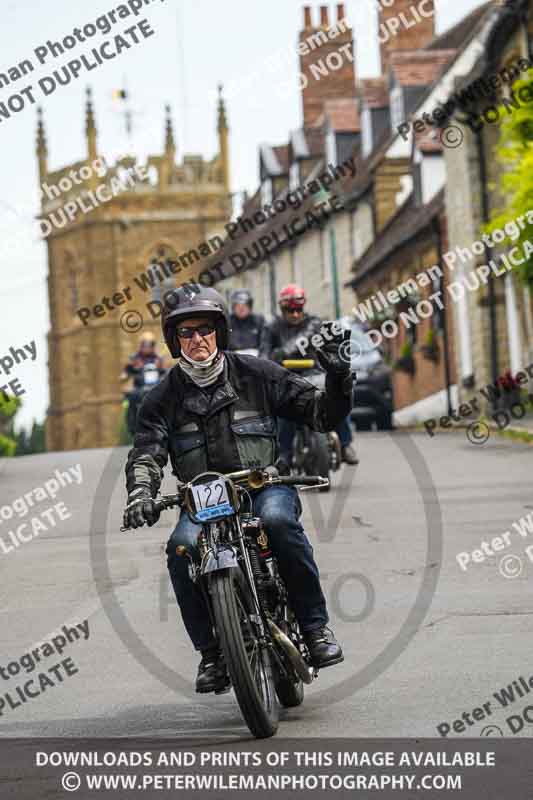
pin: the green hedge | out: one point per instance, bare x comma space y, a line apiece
7, 446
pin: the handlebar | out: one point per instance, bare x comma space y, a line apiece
270, 479
169, 501
303, 480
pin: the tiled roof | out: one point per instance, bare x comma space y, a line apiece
315, 141
419, 67
252, 204
342, 113
273, 224
408, 221
282, 154
458, 34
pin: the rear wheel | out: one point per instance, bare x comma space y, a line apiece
289, 694
247, 661
317, 462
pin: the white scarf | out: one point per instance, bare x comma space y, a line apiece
202, 373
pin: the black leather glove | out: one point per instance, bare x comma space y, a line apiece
278, 355
334, 355
141, 509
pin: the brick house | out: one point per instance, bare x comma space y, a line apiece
410, 201
495, 322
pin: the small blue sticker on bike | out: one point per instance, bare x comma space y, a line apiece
223, 510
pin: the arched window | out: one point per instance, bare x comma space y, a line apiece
160, 270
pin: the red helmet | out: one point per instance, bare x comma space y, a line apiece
291, 297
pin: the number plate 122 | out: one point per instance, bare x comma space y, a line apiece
211, 499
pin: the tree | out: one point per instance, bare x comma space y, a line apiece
34, 442
515, 153
8, 408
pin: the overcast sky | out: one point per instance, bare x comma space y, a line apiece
197, 44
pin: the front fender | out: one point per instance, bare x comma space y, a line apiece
222, 559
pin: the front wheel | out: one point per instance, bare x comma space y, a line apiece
248, 661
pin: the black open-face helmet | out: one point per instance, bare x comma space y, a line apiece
192, 300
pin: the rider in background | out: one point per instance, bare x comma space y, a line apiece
278, 343
246, 327
143, 371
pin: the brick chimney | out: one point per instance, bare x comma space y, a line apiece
404, 25
326, 61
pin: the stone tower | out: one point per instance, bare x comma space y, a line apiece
108, 229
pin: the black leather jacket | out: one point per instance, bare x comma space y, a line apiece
246, 333
230, 427
278, 341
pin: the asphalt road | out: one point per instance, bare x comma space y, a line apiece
424, 641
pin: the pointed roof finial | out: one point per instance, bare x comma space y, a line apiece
89, 113
222, 121
170, 145
41, 133
90, 126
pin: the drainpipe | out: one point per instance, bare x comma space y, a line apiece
334, 272
445, 337
489, 255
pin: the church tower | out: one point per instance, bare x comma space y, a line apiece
108, 229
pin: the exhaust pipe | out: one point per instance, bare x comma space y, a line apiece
295, 657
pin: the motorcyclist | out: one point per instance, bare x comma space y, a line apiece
278, 342
144, 369
216, 410
246, 327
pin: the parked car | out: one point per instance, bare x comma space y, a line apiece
373, 394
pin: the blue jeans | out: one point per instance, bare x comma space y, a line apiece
287, 431
344, 429
279, 508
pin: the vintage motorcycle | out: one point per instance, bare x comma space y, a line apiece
314, 453
264, 652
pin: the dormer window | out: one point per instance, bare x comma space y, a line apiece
294, 176
366, 131
266, 191
396, 104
